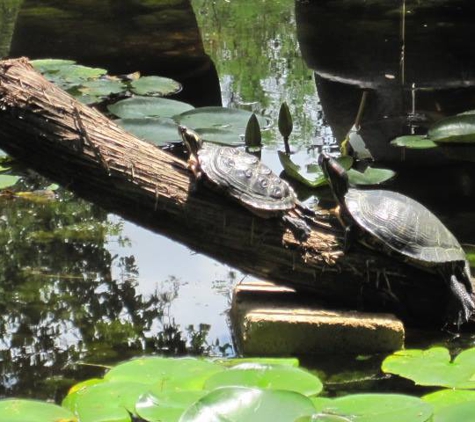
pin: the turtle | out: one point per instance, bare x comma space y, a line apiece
402, 227
243, 177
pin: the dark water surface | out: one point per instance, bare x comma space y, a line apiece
80, 285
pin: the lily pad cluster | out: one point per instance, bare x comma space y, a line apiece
92, 85
190, 390
436, 367
458, 129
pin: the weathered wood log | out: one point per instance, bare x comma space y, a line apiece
80, 148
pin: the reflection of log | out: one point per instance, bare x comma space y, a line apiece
80, 148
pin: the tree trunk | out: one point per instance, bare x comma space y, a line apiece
80, 148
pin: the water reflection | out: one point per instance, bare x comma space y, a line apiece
414, 58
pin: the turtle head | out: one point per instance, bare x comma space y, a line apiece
335, 174
191, 139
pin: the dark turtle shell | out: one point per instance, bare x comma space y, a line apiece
246, 178
404, 225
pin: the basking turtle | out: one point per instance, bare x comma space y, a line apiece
402, 227
243, 177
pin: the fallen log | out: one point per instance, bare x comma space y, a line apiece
81, 149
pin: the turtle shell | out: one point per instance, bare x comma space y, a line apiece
245, 178
404, 225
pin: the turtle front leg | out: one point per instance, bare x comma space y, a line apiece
298, 227
194, 167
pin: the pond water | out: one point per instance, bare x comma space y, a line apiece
78, 285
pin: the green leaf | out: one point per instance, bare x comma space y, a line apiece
267, 376
140, 107
7, 181
231, 119
155, 85
157, 131
414, 142
76, 73
166, 406
371, 176
454, 129
314, 176
20, 410
324, 417
240, 404
101, 87
220, 136
106, 401
443, 398
433, 367
380, 407
266, 361
50, 65
170, 374
461, 412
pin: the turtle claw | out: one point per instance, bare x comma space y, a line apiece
462, 304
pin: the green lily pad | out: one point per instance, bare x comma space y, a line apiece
157, 131
324, 417
456, 413
371, 176
77, 73
7, 181
314, 176
444, 398
101, 87
265, 361
433, 367
106, 401
155, 85
380, 407
454, 129
166, 406
220, 136
414, 142
140, 107
50, 65
170, 374
267, 376
231, 119
240, 404
20, 410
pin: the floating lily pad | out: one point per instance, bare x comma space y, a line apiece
19, 410
240, 404
157, 131
140, 107
170, 374
155, 85
454, 129
314, 176
371, 176
459, 412
106, 401
414, 142
380, 407
267, 376
101, 87
324, 417
7, 181
76, 73
231, 119
220, 136
265, 361
50, 65
166, 406
444, 398
433, 367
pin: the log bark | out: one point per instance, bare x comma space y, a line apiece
80, 148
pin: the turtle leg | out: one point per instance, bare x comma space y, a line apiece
462, 302
194, 167
349, 238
